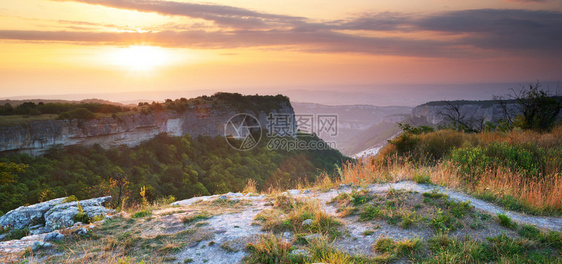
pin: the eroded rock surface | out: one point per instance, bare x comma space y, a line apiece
51, 215
26, 216
60, 216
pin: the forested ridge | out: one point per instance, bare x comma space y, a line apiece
182, 167
90, 110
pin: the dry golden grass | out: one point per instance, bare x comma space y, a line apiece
366, 172
541, 195
536, 194
251, 186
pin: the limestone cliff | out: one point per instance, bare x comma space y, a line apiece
36, 137
433, 113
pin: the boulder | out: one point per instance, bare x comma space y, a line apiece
41, 245
307, 222
53, 236
25, 216
41, 230
293, 192
80, 231
60, 216
312, 237
54, 214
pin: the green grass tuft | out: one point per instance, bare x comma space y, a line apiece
506, 221
195, 218
141, 214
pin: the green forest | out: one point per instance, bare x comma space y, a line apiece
165, 166
89, 110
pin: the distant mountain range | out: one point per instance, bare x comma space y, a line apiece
15, 103
357, 124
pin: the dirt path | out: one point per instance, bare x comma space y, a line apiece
236, 229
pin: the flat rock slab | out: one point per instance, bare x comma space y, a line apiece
25, 216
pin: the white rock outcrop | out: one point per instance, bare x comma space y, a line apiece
26, 216
60, 216
51, 215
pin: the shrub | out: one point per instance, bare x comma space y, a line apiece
408, 129
385, 245
323, 250
370, 212
539, 108
471, 161
81, 216
268, 249
5, 229
289, 215
71, 198
459, 209
444, 222
359, 198
518, 158
425, 148
435, 146
16, 233
506, 221
141, 214
475, 161
552, 238
407, 248
405, 143
435, 194
78, 113
422, 178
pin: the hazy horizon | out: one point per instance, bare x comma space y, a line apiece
390, 95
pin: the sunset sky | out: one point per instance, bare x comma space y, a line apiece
104, 47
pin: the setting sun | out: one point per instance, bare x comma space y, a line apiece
141, 58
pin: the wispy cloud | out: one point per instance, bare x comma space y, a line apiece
219, 14
321, 41
386, 21
529, 1
453, 34
500, 29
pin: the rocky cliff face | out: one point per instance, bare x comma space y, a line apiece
36, 137
434, 113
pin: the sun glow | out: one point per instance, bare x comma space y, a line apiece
141, 58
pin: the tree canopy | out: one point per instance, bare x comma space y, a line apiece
179, 166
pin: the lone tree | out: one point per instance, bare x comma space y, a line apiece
457, 118
118, 179
538, 108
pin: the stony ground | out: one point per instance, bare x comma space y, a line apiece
216, 229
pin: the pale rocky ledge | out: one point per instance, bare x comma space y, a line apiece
222, 235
